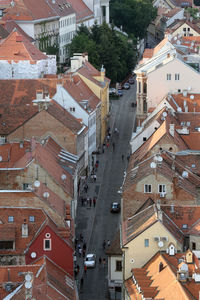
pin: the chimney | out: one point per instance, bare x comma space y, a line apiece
102, 74
24, 229
171, 129
161, 267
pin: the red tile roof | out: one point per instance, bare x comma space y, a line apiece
82, 11
11, 25
17, 47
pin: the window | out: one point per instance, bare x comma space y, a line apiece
179, 90
118, 265
188, 29
139, 88
26, 186
144, 139
146, 242
162, 188
184, 29
193, 246
10, 219
147, 188
177, 76
72, 108
169, 76
47, 244
31, 219
8, 245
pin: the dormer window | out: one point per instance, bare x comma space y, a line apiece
72, 109
47, 242
147, 188
10, 219
31, 218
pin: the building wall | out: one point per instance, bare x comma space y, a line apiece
26, 70
43, 125
46, 33
67, 30
194, 239
187, 32
10, 199
115, 275
188, 78
63, 258
28, 28
139, 253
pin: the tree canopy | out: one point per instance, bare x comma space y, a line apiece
133, 15
105, 47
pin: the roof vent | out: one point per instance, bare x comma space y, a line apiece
192, 97
185, 174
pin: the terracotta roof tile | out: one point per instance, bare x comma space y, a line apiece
81, 9
115, 248
16, 47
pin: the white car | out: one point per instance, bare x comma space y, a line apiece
90, 261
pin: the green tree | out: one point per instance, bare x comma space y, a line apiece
133, 15
106, 47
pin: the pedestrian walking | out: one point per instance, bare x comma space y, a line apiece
80, 252
81, 237
108, 243
122, 157
95, 177
113, 144
85, 269
81, 282
99, 260
78, 268
103, 147
76, 242
82, 201
84, 246
104, 244
90, 202
86, 188
128, 157
83, 253
107, 145
94, 201
104, 262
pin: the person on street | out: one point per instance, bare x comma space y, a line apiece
90, 202
108, 243
113, 144
85, 269
94, 201
104, 244
104, 262
95, 177
81, 282
80, 252
99, 260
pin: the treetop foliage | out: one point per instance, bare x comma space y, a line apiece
105, 47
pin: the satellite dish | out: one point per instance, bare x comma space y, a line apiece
132, 260
1, 158
179, 109
164, 114
192, 97
153, 165
37, 183
160, 244
159, 158
28, 277
28, 285
185, 174
46, 195
33, 255
63, 176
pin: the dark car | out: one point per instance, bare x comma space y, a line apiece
115, 207
131, 80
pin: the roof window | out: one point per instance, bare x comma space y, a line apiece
10, 219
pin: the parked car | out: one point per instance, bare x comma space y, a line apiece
131, 80
90, 261
119, 93
115, 207
126, 86
112, 91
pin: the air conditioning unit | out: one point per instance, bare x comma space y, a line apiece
156, 238
162, 195
164, 238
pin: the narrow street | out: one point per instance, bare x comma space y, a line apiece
97, 224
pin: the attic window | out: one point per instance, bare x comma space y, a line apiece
10, 219
144, 139
185, 226
47, 244
72, 108
31, 218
